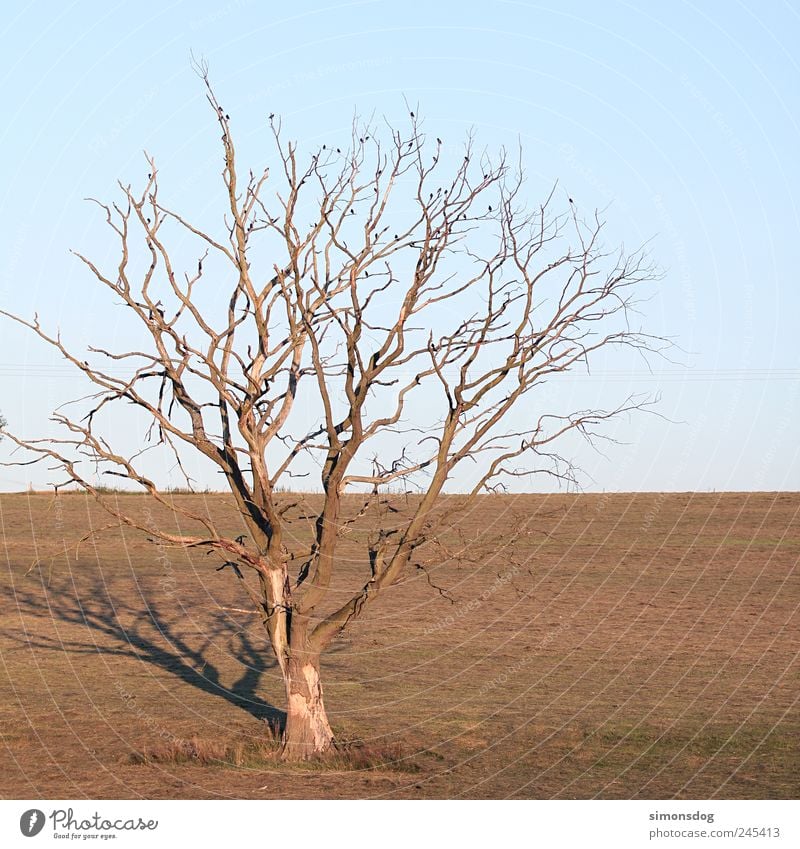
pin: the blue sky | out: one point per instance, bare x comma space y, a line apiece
679, 119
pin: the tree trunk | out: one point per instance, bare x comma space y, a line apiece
307, 731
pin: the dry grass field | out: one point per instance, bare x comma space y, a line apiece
629, 646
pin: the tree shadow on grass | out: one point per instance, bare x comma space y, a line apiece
173, 634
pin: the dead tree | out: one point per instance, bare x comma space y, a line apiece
412, 301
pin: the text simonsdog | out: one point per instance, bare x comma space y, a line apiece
695, 815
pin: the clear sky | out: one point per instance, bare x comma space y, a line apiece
680, 118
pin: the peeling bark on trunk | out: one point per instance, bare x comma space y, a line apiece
308, 732
277, 597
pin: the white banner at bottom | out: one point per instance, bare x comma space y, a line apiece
354, 824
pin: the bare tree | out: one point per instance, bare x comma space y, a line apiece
381, 275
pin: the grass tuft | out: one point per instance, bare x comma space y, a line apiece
345, 756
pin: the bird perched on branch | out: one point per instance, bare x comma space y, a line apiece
233, 566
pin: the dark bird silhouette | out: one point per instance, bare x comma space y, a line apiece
570, 200
490, 209
233, 566
323, 147
412, 114
271, 115
338, 150
227, 117
156, 309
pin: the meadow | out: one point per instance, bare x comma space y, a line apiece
620, 646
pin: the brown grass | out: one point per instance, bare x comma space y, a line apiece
647, 647
347, 755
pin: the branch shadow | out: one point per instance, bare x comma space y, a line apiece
153, 634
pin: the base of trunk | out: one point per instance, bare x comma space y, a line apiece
308, 732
